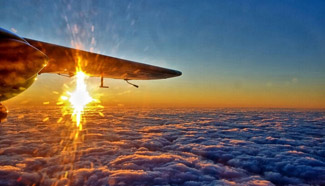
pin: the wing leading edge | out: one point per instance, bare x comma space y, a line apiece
63, 60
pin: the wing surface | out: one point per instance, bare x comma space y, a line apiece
63, 60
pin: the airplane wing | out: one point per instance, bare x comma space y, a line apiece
63, 60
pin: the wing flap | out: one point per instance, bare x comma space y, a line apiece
63, 60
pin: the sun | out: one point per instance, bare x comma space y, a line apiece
78, 98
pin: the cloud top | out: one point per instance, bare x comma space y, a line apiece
165, 147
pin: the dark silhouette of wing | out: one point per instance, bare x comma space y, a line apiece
64, 60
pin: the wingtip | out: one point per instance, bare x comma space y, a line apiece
178, 73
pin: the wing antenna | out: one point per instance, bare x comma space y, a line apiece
127, 81
102, 82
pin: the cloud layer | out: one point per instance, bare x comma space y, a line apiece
164, 147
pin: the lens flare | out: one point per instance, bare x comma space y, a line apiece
76, 98
79, 98
76, 101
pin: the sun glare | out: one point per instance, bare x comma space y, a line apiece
77, 99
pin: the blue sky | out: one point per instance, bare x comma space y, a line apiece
247, 43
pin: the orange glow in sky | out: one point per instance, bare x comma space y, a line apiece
174, 93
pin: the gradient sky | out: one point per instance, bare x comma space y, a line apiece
232, 53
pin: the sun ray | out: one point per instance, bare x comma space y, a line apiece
75, 101
79, 98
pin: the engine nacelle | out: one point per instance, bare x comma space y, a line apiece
20, 63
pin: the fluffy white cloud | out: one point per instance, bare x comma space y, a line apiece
164, 147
